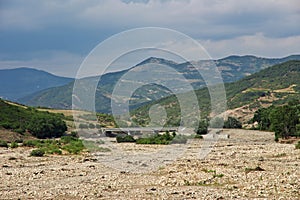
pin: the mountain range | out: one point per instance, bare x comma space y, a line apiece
20, 82
39, 93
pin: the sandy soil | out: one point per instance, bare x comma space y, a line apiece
248, 165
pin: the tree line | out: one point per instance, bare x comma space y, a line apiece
283, 120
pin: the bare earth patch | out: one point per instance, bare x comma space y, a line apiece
248, 165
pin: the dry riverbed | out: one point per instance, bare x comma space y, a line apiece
248, 165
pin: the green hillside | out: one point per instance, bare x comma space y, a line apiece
275, 85
23, 120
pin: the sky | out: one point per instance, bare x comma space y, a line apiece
56, 36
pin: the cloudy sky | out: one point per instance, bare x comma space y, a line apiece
56, 35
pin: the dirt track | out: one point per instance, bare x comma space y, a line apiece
248, 165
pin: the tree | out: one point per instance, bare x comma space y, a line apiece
284, 120
202, 128
46, 126
232, 122
262, 116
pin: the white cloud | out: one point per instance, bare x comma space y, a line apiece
257, 44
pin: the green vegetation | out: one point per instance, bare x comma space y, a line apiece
156, 139
37, 153
297, 146
14, 145
93, 146
283, 120
125, 138
202, 128
3, 144
39, 124
69, 144
232, 122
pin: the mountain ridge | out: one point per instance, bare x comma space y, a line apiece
232, 68
20, 82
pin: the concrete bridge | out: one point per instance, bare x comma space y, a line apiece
113, 132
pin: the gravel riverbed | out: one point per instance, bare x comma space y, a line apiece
247, 165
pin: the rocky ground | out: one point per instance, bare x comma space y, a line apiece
248, 165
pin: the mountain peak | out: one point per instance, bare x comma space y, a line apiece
157, 60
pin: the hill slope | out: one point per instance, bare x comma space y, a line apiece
274, 85
232, 68
20, 82
22, 120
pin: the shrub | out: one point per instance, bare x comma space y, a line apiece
202, 128
232, 122
37, 153
68, 139
32, 143
156, 139
20, 130
298, 145
125, 138
3, 143
74, 147
14, 145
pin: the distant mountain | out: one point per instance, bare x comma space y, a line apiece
21, 82
232, 68
274, 85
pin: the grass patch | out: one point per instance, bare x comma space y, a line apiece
164, 139
93, 146
70, 144
14, 145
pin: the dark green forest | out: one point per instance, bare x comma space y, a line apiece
38, 123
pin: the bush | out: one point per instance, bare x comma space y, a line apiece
125, 138
74, 146
3, 144
232, 122
32, 143
298, 145
202, 128
14, 145
156, 139
20, 130
37, 153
